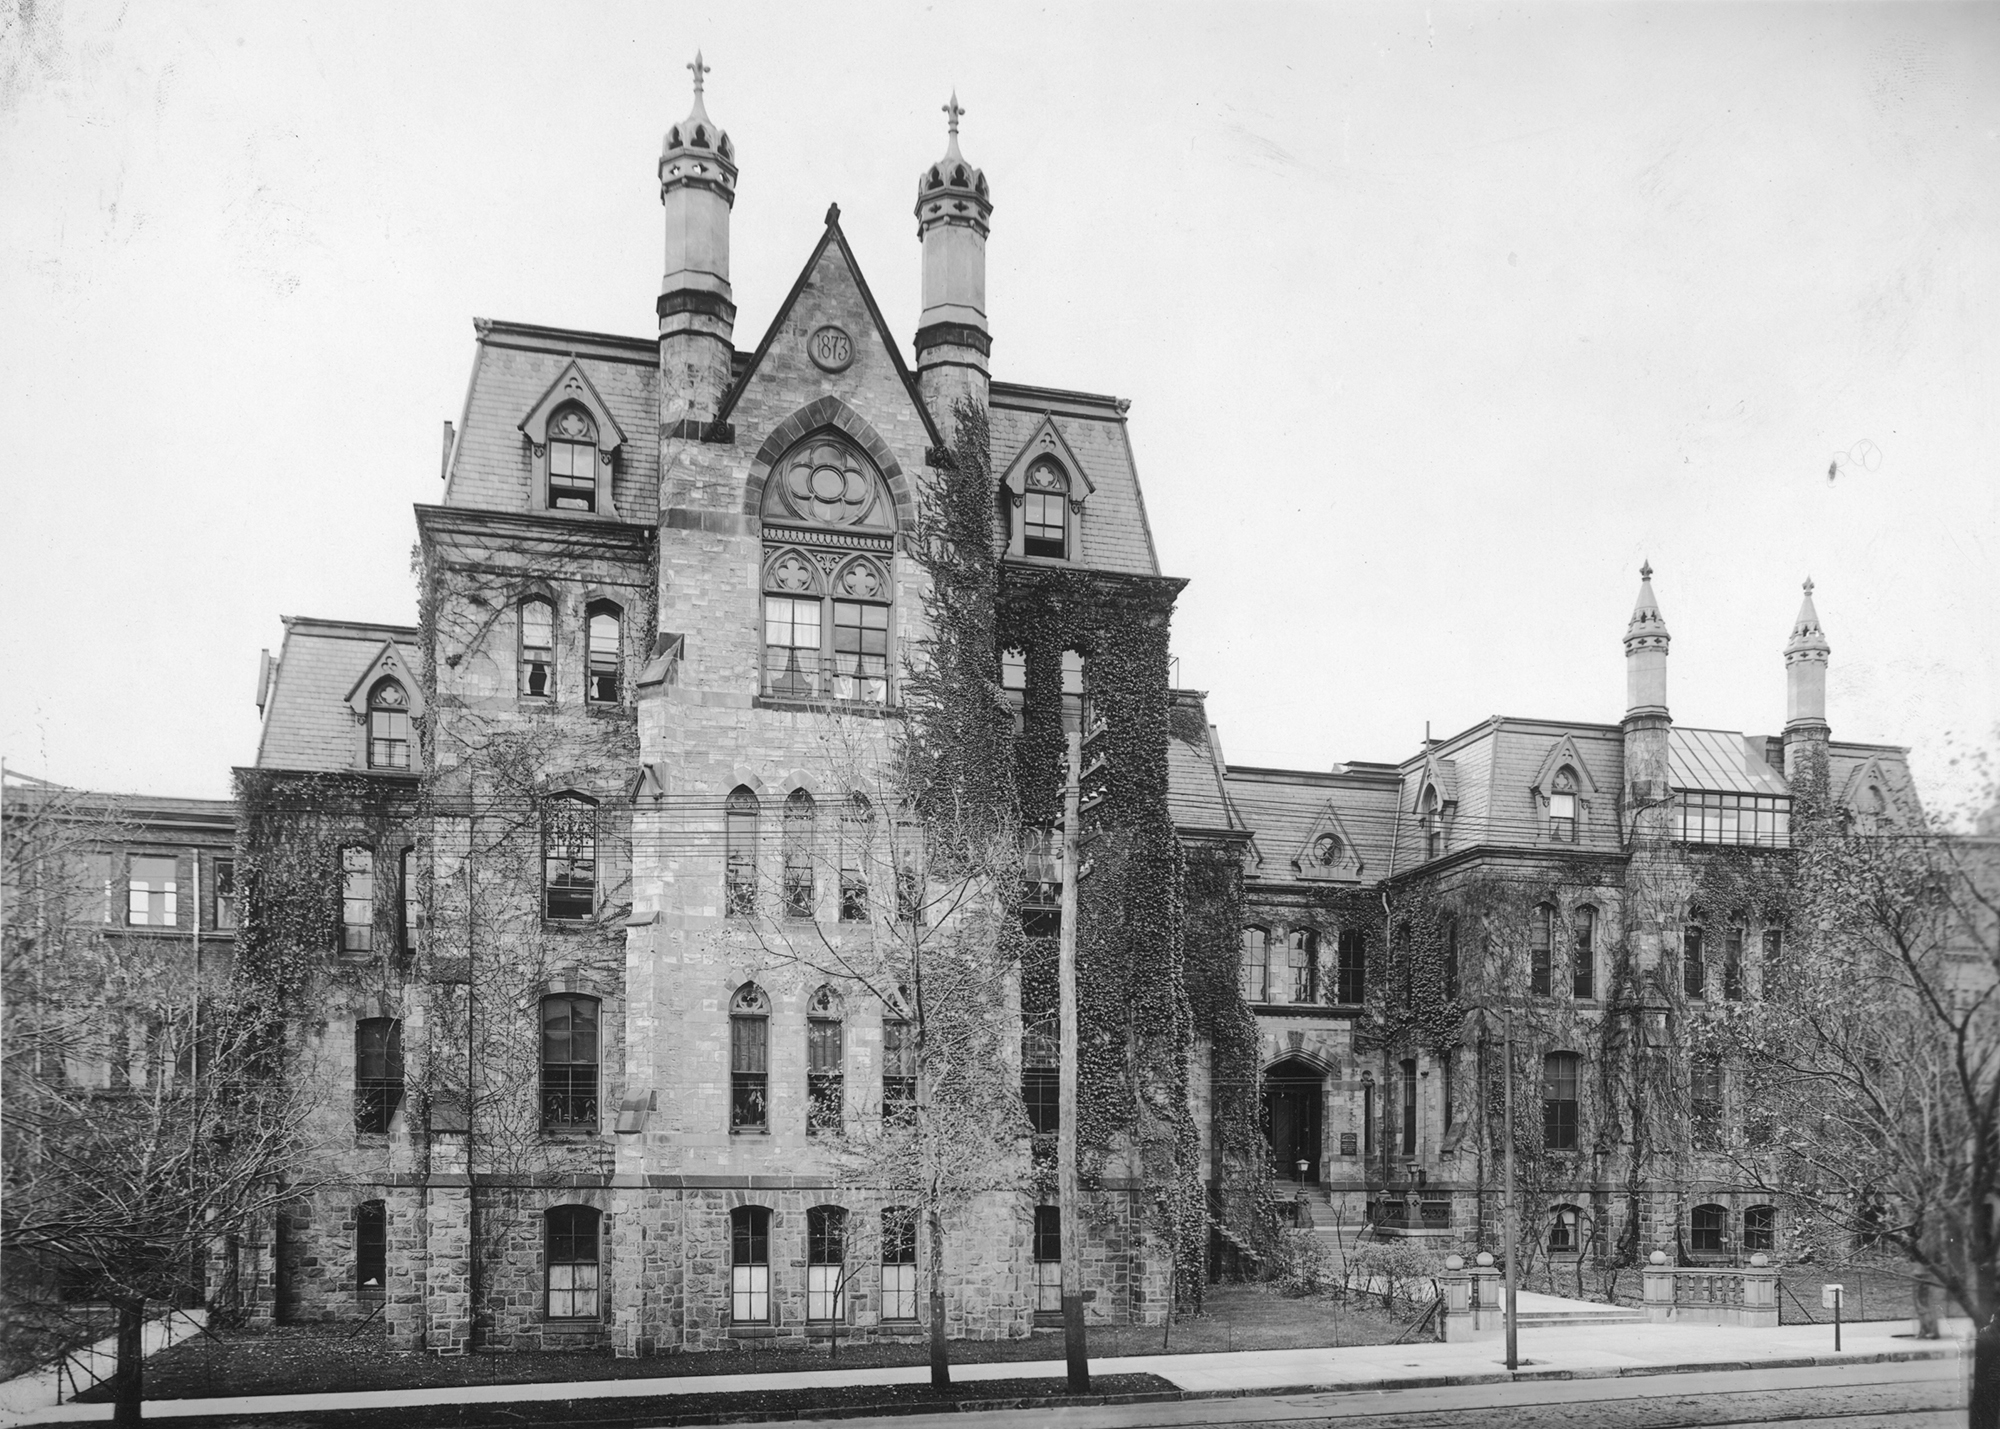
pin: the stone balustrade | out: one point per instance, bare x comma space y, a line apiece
1706, 1295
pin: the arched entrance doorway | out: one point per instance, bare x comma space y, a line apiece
1293, 1102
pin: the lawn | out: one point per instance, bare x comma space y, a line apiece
306, 1359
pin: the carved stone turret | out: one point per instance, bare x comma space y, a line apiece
953, 209
697, 310
1805, 689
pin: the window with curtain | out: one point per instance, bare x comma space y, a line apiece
378, 1072
1256, 964
569, 1063
152, 892
857, 828
739, 872
899, 1263
388, 726
749, 1059
538, 648
569, 857
1563, 1224
1559, 1110
826, 1080
826, 1263
605, 652
1541, 933
801, 830
357, 900
750, 1265
572, 1263
1583, 968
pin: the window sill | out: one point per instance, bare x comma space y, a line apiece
571, 1133
574, 1329
568, 925
867, 709
753, 1332
749, 1131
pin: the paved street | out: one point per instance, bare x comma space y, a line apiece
1924, 1394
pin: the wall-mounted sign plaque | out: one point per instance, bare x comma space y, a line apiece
830, 348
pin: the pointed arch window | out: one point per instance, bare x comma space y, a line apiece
826, 1067
572, 461
750, 1059
388, 726
1583, 968
1431, 821
569, 857
1541, 935
801, 832
739, 873
1562, 806
605, 653
1045, 512
538, 648
1732, 960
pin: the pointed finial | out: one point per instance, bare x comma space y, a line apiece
952, 110
1646, 571
832, 214
1808, 585
699, 69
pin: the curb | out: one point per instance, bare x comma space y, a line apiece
902, 1409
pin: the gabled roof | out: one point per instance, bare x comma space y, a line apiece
832, 237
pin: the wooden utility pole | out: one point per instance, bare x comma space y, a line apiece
1507, 1201
1069, 1213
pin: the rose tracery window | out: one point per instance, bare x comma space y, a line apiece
829, 483
826, 638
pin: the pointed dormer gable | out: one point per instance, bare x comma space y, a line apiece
1327, 853
1440, 775
829, 332
1045, 489
1563, 754
388, 663
1047, 440
1872, 796
568, 430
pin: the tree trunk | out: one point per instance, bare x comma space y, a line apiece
1927, 1315
128, 1378
1986, 1376
940, 1358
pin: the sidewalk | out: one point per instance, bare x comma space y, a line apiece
1556, 1352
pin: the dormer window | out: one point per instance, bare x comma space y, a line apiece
1433, 825
388, 726
572, 462
1044, 512
1562, 806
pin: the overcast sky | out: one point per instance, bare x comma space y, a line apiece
1435, 321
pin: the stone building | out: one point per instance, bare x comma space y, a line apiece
587, 871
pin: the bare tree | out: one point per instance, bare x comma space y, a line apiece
147, 1115
1874, 1057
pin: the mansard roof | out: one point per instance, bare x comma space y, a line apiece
308, 724
1284, 808
516, 367
1116, 534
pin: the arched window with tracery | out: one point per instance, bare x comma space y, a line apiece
572, 461
826, 1066
827, 610
801, 833
1562, 806
1045, 512
739, 872
388, 726
749, 1059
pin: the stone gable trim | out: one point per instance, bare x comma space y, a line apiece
829, 413
1564, 751
833, 235
572, 537
610, 436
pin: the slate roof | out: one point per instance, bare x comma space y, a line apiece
1116, 534
1195, 796
513, 367
1281, 806
307, 722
